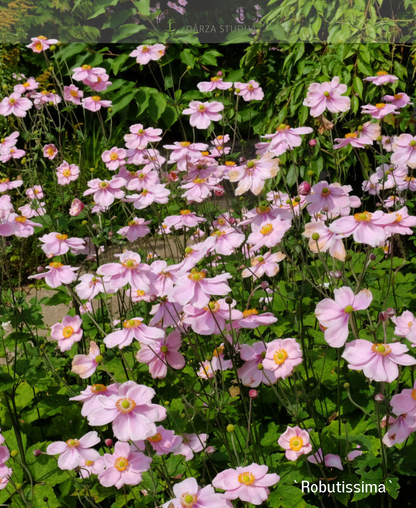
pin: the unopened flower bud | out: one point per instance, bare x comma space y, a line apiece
264, 284
167, 403
220, 73
304, 188
260, 366
346, 386
372, 257
37, 452
253, 394
99, 359
110, 110
312, 142
237, 90
228, 300
188, 68
40, 269
348, 257
379, 397
45, 499
53, 47
379, 138
391, 312
18, 486
24, 160
108, 443
230, 428
92, 170
311, 173
14, 453
344, 421
183, 416
383, 317
217, 95
84, 222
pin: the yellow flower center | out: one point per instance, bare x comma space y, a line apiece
130, 264
12, 101
380, 105
67, 332
140, 292
104, 185
187, 500
39, 46
351, 135
413, 394
398, 217
89, 462
381, 349
86, 67
381, 73
263, 209
219, 351
296, 443
280, 356
398, 96
61, 237
50, 151
66, 172
114, 156
185, 212
185, 143
73, 443
265, 230
121, 464
74, 93
26, 84
409, 178
97, 388
246, 478
230, 163
132, 323
215, 78
250, 312
201, 108
325, 192
56, 264
362, 217
196, 276
96, 98
125, 405
348, 309
156, 438
199, 180
20, 219
283, 127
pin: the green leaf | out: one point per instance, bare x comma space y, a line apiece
187, 57
142, 101
102, 4
44, 491
143, 7
286, 496
157, 105
210, 57
358, 86
125, 31
58, 298
170, 115
355, 104
118, 62
122, 101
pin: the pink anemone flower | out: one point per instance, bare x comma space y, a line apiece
380, 110
86, 365
190, 495
400, 100
140, 137
162, 353
250, 91
197, 290
91, 285
224, 242
73, 94
404, 402
104, 191
334, 315
282, 356
191, 443
405, 326
382, 78
146, 53
353, 139
269, 235
165, 313
327, 197
124, 467
130, 270
163, 442
296, 443
367, 228
400, 429
136, 228
68, 332
212, 318
199, 189
50, 151
253, 174
95, 103
267, 264
131, 411
58, 244
404, 148
73, 451
67, 173
89, 397
202, 113
88, 72
133, 328
156, 194
379, 362
402, 224
16, 105
57, 274
249, 483
90, 467
41, 43
216, 83
185, 219
27, 86
329, 460
114, 158
326, 242
285, 138
327, 96
249, 373
252, 319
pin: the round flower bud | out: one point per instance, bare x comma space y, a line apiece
14, 453
99, 358
167, 403
344, 421
379, 138
311, 173
45, 499
230, 428
383, 317
312, 142
24, 160
53, 47
348, 257
228, 300
304, 188
315, 236
220, 73
372, 257
84, 222
338, 275
237, 90
260, 366
346, 386
264, 284
108, 443
110, 110
18, 486
37, 453
183, 416
379, 397
253, 394
188, 68
297, 199
92, 170
391, 312
217, 95
40, 269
